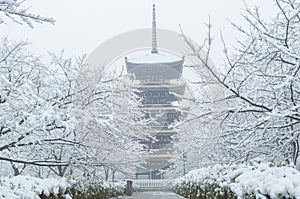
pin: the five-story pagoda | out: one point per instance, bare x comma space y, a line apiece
156, 76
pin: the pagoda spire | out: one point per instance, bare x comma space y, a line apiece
154, 34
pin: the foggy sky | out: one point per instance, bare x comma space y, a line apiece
81, 26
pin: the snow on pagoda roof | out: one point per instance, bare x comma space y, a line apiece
151, 58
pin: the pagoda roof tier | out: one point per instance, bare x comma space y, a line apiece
176, 88
145, 57
166, 150
163, 163
167, 70
155, 85
163, 108
163, 152
157, 105
161, 128
160, 153
158, 156
158, 132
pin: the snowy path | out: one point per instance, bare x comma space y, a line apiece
153, 195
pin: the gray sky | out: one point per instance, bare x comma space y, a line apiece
81, 26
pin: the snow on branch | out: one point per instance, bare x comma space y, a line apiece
47, 163
13, 9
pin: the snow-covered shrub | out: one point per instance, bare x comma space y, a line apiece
26, 187
203, 183
91, 188
255, 180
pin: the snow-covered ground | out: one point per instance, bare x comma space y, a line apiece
258, 179
153, 195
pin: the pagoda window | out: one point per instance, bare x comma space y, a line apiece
165, 145
170, 116
160, 78
156, 146
149, 78
146, 101
166, 139
153, 78
158, 138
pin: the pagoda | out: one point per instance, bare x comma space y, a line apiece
157, 79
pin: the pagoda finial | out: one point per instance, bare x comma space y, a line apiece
154, 35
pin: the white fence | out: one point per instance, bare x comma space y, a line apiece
146, 184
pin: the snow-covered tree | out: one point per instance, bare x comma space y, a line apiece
105, 120
261, 80
42, 125
35, 108
41, 121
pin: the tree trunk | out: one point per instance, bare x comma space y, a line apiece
113, 175
106, 173
296, 154
16, 170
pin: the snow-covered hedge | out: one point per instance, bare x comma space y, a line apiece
92, 188
255, 180
25, 187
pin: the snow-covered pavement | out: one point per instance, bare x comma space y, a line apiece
153, 195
